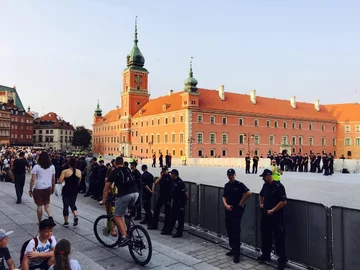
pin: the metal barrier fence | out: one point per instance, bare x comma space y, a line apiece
346, 238
316, 236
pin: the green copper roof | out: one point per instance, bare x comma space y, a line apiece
135, 57
191, 82
98, 111
17, 100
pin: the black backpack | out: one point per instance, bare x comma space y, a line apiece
23, 248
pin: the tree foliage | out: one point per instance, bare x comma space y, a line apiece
81, 138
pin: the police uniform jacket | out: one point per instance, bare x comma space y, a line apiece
273, 194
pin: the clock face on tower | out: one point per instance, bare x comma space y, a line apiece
138, 79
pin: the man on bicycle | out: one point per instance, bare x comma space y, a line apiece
128, 193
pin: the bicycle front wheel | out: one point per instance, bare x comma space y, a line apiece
106, 231
140, 246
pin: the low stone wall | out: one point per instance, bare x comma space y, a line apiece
353, 165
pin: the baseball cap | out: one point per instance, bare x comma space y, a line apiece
175, 172
4, 234
266, 172
230, 172
46, 223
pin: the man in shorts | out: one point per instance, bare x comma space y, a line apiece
128, 193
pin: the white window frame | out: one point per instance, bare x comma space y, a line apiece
271, 139
347, 129
243, 139
258, 139
256, 123
323, 141
350, 142
226, 138
222, 120
212, 133
173, 137
212, 119
200, 135
200, 118
357, 141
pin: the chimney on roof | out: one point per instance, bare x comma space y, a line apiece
317, 105
293, 102
222, 92
253, 96
171, 92
14, 87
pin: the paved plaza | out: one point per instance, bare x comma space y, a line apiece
189, 252
338, 189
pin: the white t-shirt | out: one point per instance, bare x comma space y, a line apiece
41, 247
6, 163
74, 265
44, 177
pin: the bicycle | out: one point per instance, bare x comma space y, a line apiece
136, 244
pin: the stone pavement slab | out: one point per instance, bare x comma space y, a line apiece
188, 252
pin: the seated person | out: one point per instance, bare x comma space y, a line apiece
4, 251
39, 252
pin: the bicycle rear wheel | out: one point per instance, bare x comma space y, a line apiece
140, 246
106, 231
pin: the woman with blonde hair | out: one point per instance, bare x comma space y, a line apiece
62, 257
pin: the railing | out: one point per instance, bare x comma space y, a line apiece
316, 236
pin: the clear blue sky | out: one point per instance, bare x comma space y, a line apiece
64, 55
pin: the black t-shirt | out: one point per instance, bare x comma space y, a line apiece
273, 194
233, 193
4, 256
147, 180
19, 166
166, 185
123, 180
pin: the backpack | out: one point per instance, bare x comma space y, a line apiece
127, 177
23, 248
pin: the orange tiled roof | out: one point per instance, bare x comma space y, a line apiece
209, 99
346, 112
112, 116
56, 121
155, 106
241, 103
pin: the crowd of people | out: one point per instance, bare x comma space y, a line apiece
133, 189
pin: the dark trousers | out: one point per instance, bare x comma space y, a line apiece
273, 225
154, 163
254, 168
147, 206
247, 168
82, 186
137, 206
100, 188
331, 169
177, 214
19, 180
233, 228
68, 201
166, 201
92, 187
306, 167
326, 170
317, 166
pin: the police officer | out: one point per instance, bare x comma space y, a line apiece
179, 197
137, 176
247, 163
234, 198
165, 183
255, 164
272, 200
147, 180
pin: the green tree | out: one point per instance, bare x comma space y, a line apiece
81, 138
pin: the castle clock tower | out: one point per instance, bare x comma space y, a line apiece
134, 92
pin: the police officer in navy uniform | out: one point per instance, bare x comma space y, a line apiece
164, 199
147, 180
179, 197
234, 198
272, 200
247, 163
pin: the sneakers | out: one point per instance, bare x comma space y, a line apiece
124, 241
76, 221
66, 224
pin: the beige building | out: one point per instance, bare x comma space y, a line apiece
52, 131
